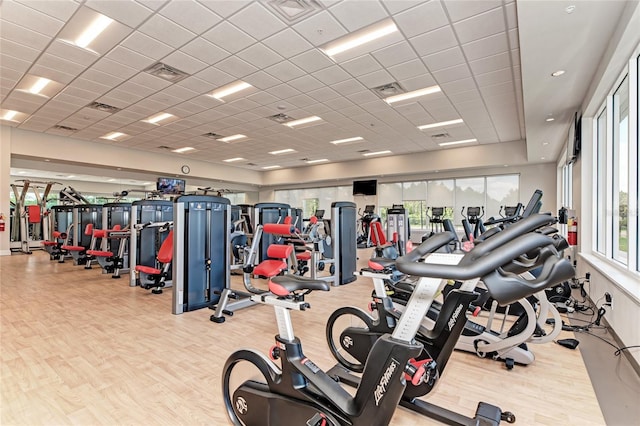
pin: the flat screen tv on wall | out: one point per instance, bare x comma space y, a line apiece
365, 187
170, 185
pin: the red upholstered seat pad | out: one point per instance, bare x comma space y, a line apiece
303, 255
49, 243
74, 248
147, 270
270, 268
99, 253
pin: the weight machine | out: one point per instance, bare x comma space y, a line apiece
31, 224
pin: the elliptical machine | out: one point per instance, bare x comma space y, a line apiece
300, 392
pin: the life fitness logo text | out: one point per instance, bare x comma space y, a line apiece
381, 389
454, 317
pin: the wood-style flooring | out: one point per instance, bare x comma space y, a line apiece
78, 347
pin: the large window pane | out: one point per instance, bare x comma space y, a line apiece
440, 194
470, 192
621, 171
388, 195
502, 191
601, 200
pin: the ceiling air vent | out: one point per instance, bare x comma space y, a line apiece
212, 135
166, 72
387, 90
104, 107
362, 151
294, 10
440, 136
251, 164
164, 147
70, 129
281, 118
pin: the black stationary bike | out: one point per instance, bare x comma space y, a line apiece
298, 392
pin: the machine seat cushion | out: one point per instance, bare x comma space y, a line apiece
74, 248
99, 253
303, 255
285, 284
270, 268
148, 270
279, 251
49, 243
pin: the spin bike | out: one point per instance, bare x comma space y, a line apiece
299, 392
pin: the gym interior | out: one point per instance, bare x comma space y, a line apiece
170, 166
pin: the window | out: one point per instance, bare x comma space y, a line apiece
620, 167
470, 192
502, 191
601, 173
309, 207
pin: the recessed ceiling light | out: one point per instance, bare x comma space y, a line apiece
22, 172
47, 160
229, 89
354, 139
302, 121
413, 94
9, 115
232, 138
368, 154
542, 158
360, 37
322, 160
111, 180
146, 183
549, 119
271, 167
282, 151
183, 150
570, 9
457, 142
231, 160
93, 31
440, 124
71, 176
557, 73
40, 84
114, 136
545, 143
506, 165
155, 119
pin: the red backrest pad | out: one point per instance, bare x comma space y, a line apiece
165, 254
279, 251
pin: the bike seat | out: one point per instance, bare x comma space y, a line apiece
284, 285
378, 263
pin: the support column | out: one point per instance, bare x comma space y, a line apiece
5, 189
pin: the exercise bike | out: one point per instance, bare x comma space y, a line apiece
299, 392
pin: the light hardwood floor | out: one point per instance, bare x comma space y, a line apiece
78, 347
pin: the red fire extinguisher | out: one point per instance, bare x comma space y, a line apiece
572, 231
1, 222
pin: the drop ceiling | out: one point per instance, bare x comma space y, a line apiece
470, 49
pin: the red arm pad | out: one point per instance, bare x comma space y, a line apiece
278, 228
279, 251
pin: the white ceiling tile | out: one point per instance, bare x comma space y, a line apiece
353, 16
499, 89
283, 91
464, 96
261, 80
225, 8
426, 17
434, 41
454, 73
260, 56
376, 79
116, 102
395, 54
93, 74
59, 64
126, 11
330, 27
331, 75
152, 4
23, 36
458, 86
364, 64
130, 58
245, 104
487, 46
184, 62
397, 6
18, 51
80, 93
444, 59
257, 21
124, 96
263, 98
136, 89
362, 97
494, 77
147, 46
479, 26
285, 71
61, 9
312, 60
30, 18
205, 51
191, 15
181, 93
348, 87
461, 9
214, 78
229, 37
512, 15
150, 81
323, 94
339, 103
12, 63
166, 31
491, 63
236, 67
301, 101
287, 43
306, 83
71, 53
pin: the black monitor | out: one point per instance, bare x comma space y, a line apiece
369, 208
365, 187
534, 204
319, 214
170, 185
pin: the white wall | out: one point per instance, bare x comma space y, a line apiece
5, 166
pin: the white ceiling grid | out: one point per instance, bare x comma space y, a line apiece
469, 48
